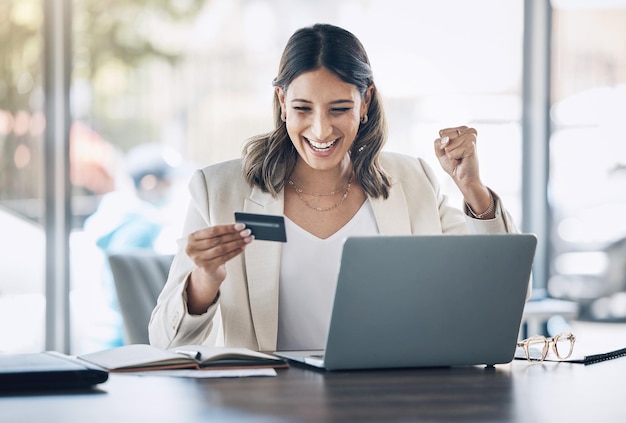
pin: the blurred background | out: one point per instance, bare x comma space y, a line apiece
160, 88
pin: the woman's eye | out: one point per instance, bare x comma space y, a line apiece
334, 110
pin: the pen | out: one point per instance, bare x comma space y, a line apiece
189, 353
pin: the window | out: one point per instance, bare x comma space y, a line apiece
588, 157
22, 244
192, 81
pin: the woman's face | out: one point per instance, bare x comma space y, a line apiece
323, 116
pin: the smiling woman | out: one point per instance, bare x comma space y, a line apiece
324, 91
330, 129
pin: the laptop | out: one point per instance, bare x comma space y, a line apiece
47, 370
426, 301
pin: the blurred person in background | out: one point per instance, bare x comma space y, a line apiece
132, 217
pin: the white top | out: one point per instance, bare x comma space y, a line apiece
308, 277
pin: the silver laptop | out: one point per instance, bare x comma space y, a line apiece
426, 301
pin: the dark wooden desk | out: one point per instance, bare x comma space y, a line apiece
516, 392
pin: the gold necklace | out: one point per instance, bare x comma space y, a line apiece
299, 192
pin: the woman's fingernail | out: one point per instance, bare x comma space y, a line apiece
239, 226
245, 233
445, 140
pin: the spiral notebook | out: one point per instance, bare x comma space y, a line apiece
583, 354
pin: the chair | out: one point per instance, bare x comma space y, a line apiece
139, 278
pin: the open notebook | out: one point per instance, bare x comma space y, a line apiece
143, 357
423, 301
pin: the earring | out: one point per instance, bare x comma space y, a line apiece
283, 117
364, 119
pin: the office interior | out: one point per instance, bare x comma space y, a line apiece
107, 107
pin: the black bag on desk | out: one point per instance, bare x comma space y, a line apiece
46, 371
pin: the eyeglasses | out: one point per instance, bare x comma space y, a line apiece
536, 347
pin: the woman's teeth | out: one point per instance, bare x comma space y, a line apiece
321, 146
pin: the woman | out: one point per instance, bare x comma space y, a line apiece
323, 169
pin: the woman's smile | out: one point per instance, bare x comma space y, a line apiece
321, 147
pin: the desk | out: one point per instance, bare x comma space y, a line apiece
516, 392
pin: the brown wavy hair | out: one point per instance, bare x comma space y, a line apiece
269, 159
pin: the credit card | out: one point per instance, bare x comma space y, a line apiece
264, 226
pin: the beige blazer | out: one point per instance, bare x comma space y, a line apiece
246, 314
